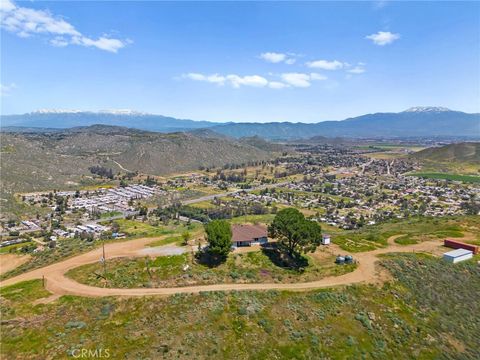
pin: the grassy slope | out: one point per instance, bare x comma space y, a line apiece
421, 315
460, 158
414, 230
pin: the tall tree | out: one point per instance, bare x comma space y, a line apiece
219, 237
294, 233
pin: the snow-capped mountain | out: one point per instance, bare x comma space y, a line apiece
427, 109
416, 121
56, 111
74, 111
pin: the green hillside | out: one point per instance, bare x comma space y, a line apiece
464, 152
60, 160
460, 158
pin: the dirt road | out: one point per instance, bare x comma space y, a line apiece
59, 284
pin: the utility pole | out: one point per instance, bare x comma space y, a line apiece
148, 268
104, 260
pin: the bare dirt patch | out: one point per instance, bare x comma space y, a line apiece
11, 261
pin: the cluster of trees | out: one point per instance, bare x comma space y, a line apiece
234, 177
101, 171
471, 207
230, 210
232, 166
294, 233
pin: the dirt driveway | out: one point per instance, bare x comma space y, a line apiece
59, 284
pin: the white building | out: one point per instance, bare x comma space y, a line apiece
457, 255
325, 239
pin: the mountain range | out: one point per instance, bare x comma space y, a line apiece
414, 122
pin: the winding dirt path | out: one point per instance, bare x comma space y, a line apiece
59, 284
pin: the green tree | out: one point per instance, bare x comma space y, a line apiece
186, 236
219, 237
294, 233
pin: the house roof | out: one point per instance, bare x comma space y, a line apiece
248, 232
458, 252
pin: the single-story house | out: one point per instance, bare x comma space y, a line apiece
248, 235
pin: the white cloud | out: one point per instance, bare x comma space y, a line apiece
296, 79
234, 80
287, 80
301, 79
276, 58
6, 90
273, 57
380, 4
325, 64
382, 38
277, 85
316, 76
249, 80
359, 69
27, 22
59, 42
214, 79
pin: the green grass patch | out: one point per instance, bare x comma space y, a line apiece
446, 176
110, 214
136, 228
26, 291
253, 219
14, 247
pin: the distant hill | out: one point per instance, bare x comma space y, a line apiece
258, 142
323, 140
63, 119
468, 152
414, 122
35, 161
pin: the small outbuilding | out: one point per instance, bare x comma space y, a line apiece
458, 255
325, 239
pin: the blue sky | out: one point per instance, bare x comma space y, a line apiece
225, 61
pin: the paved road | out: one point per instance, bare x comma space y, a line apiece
59, 284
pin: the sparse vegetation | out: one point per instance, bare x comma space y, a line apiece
421, 314
180, 270
410, 231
